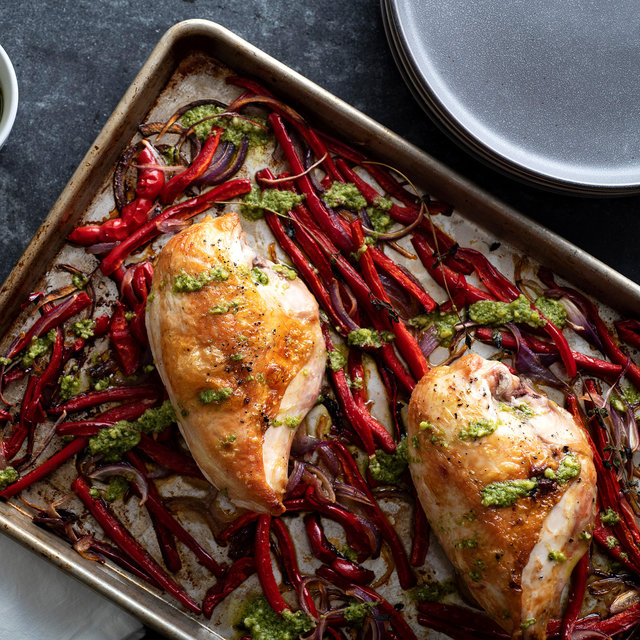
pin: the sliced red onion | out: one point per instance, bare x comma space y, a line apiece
587, 634
326, 451
341, 312
45, 443
237, 163
100, 247
529, 364
577, 316
83, 547
429, 341
220, 160
624, 601
172, 225
351, 493
406, 306
123, 469
373, 534
295, 477
303, 443
323, 485
308, 162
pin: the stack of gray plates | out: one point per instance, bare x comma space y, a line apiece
543, 90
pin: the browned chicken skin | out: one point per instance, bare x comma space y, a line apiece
474, 426
242, 357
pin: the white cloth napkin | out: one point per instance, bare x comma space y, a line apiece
39, 601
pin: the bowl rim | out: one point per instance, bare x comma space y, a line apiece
9, 94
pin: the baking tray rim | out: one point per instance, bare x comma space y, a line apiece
465, 195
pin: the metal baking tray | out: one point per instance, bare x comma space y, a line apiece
479, 218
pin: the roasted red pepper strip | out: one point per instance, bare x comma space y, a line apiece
355, 531
182, 211
117, 532
576, 596
239, 523
380, 434
200, 164
128, 411
51, 319
444, 275
45, 468
239, 571
405, 574
83, 427
404, 278
156, 508
264, 568
134, 214
290, 562
591, 365
324, 217
125, 347
420, 545
406, 343
93, 398
169, 458
629, 331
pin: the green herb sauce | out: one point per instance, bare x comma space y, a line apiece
285, 271
336, 360
610, 517
444, 323
118, 486
38, 347
488, 312
369, 338
280, 201
258, 276
8, 476
215, 395
84, 328
263, 623
70, 385
553, 310
504, 494
556, 556
356, 612
387, 468
234, 128
345, 195
478, 429
432, 591
186, 283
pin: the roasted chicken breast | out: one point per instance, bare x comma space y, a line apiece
237, 342
507, 481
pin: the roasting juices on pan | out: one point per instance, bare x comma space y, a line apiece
238, 345
507, 481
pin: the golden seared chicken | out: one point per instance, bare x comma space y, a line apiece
507, 481
238, 345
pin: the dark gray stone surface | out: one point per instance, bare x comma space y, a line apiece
75, 59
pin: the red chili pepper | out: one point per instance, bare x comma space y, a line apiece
629, 331
126, 348
169, 458
182, 211
444, 275
380, 434
239, 523
128, 411
51, 319
82, 427
591, 365
167, 545
264, 568
115, 530
403, 277
460, 623
93, 398
239, 571
352, 571
405, 341
420, 545
21, 431
180, 182
156, 507
45, 468
576, 596
324, 217
290, 563
355, 531
405, 574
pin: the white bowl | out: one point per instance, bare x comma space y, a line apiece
8, 94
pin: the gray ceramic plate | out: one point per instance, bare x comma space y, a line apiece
543, 89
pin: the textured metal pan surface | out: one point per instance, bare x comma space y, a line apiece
479, 219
